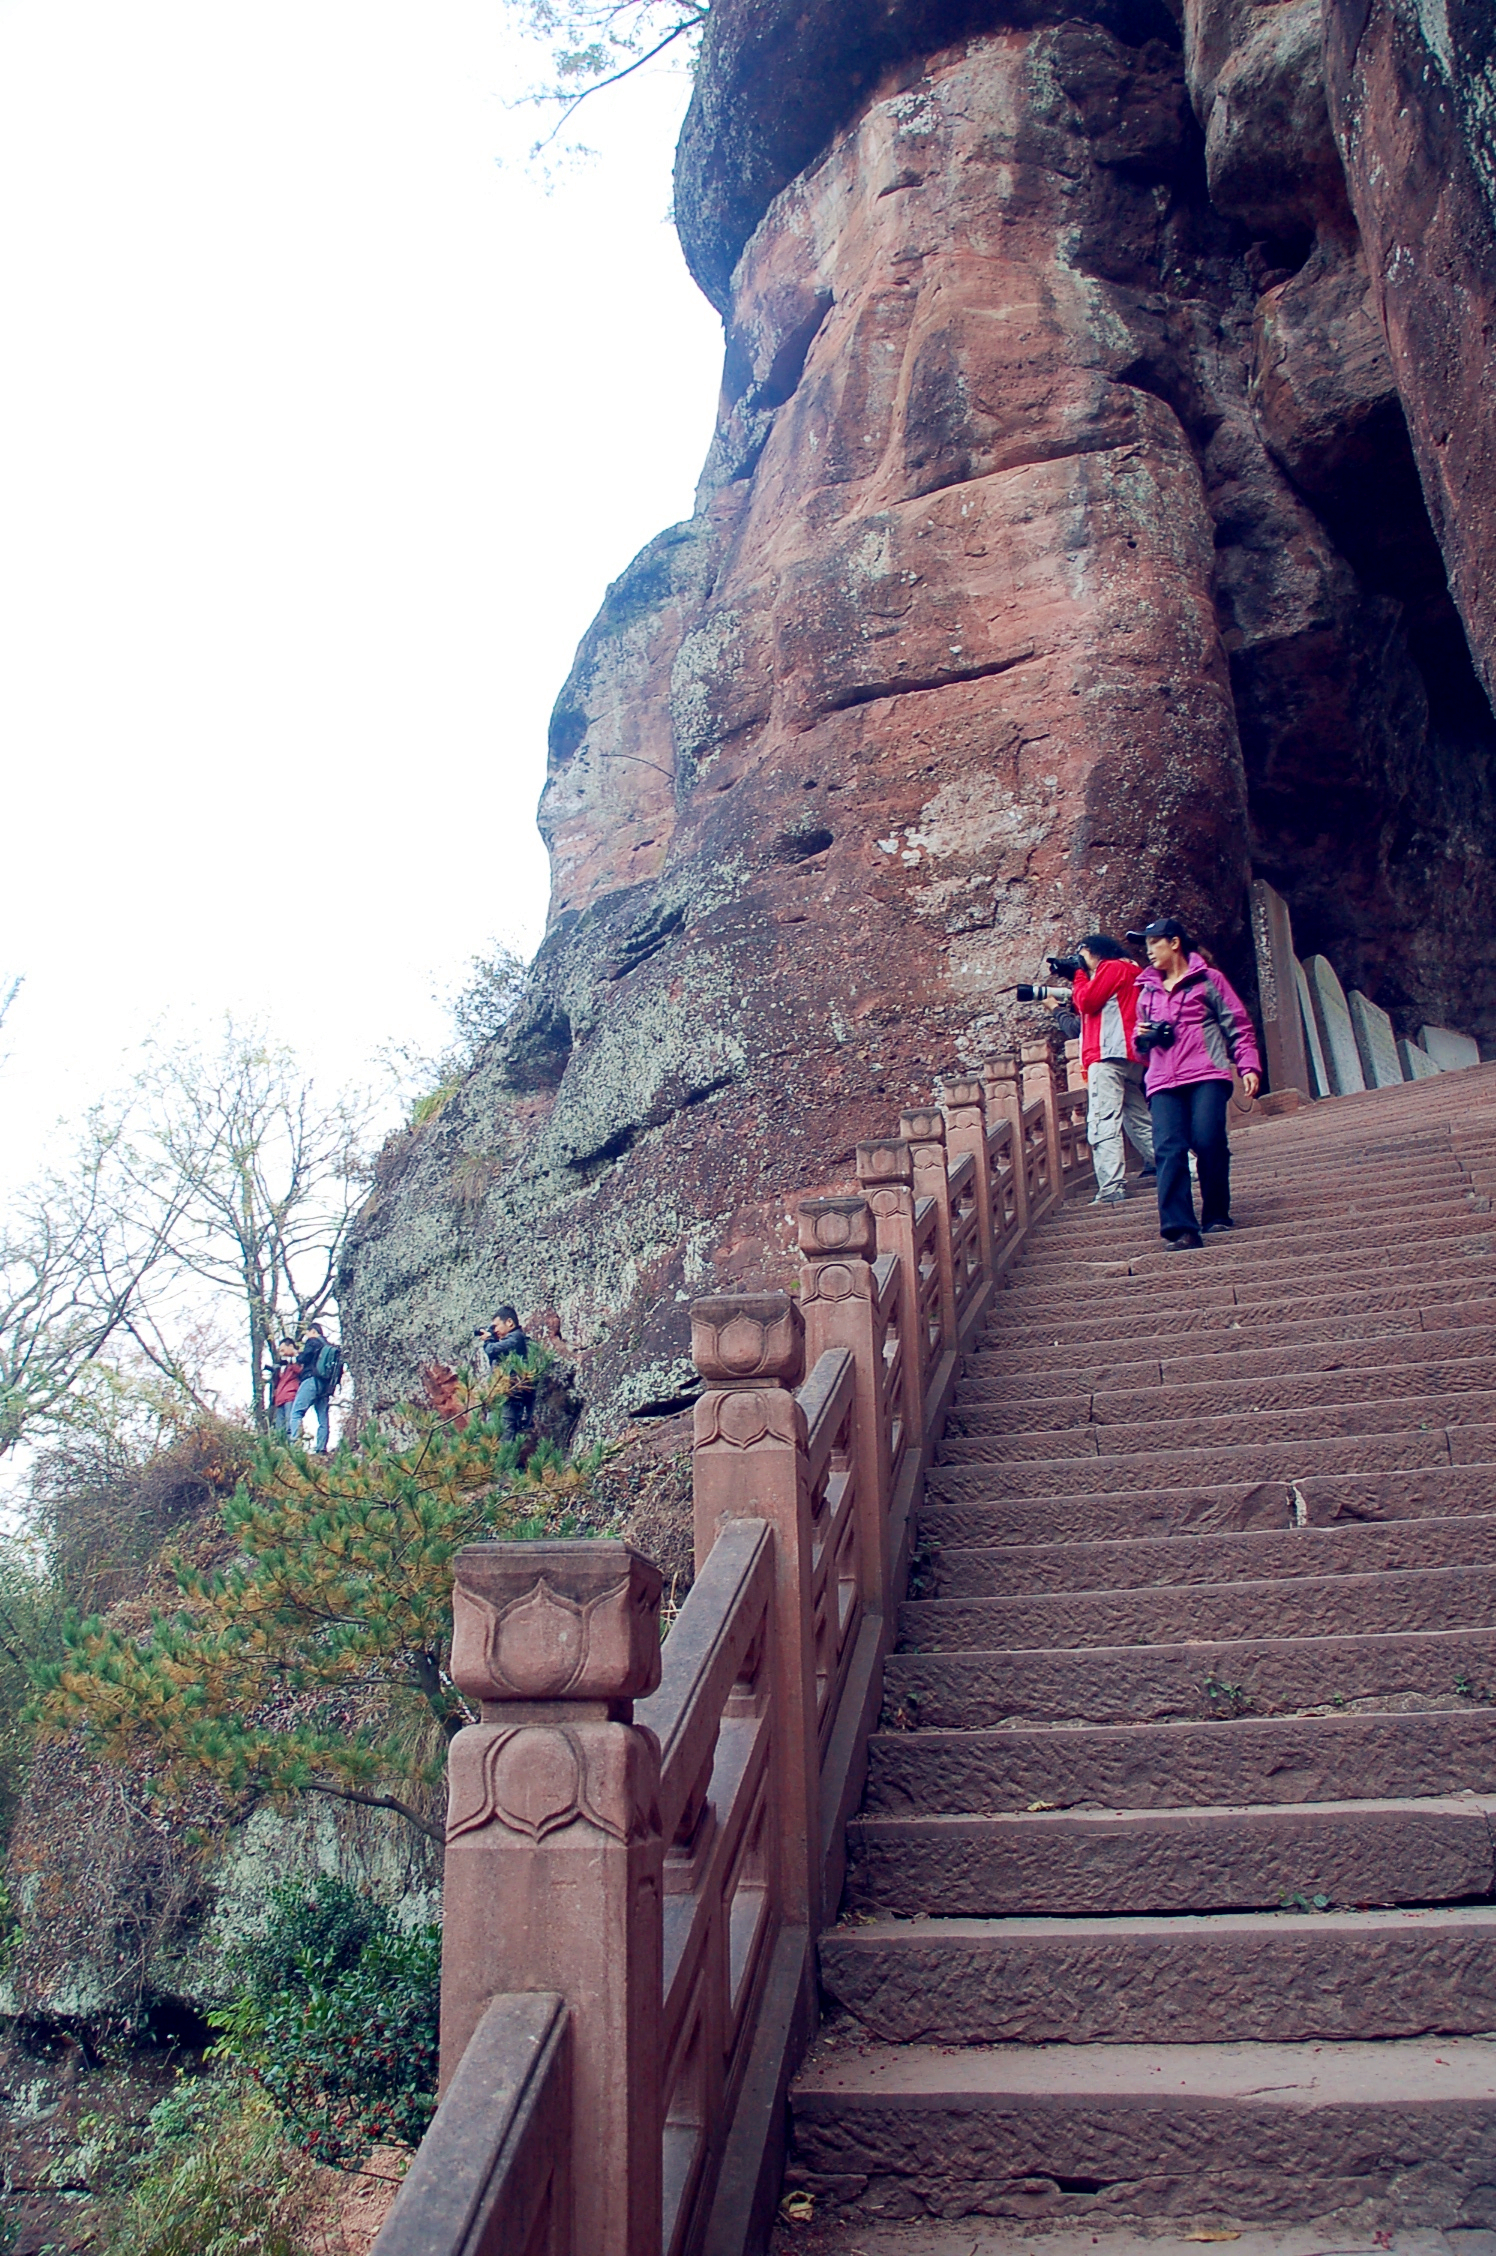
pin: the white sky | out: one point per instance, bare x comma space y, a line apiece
321, 433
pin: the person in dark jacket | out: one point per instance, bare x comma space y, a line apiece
505, 1346
1193, 1028
1105, 996
315, 1392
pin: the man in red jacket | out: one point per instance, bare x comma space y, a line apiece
1105, 998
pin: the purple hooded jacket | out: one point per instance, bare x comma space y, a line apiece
1212, 1029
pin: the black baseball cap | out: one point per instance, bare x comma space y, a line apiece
1162, 928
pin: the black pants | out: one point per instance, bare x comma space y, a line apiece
1192, 1119
518, 1414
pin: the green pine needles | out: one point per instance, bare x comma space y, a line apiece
319, 1660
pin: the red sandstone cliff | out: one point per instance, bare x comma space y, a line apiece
1061, 555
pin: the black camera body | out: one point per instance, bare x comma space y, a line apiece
1063, 967
1148, 1037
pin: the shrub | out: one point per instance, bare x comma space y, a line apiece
338, 2022
327, 1928
219, 2180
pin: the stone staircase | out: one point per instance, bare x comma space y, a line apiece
1171, 1896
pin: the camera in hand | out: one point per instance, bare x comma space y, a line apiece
1147, 1037
1041, 994
1063, 967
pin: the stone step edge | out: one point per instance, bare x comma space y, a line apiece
1137, 1545
1429, 2071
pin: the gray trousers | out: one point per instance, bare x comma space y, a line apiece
1115, 1102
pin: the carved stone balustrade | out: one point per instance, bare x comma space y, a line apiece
554, 1866
923, 1130
839, 1302
965, 1105
885, 1171
749, 1462
632, 1901
1041, 1118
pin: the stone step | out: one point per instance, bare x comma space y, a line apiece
1331, 1758
1087, 1862
1243, 1977
1321, 1422
1130, 1231
1015, 1569
1348, 1605
1197, 1681
978, 1413
990, 1380
1263, 1251
960, 1512
1261, 1278
1042, 1473
1450, 1304
1190, 1305
1404, 2131
1367, 1182
962, 1509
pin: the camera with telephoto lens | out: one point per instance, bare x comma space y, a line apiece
1147, 1037
1060, 967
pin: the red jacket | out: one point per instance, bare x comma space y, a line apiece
1108, 1005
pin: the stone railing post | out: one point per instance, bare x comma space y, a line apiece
966, 1131
1075, 1072
923, 1130
1038, 1081
749, 1463
1002, 1079
554, 1861
836, 1301
886, 1173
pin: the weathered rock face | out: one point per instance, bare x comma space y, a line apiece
1413, 94
1060, 555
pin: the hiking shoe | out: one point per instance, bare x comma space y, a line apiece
1110, 1198
1209, 1228
1184, 1241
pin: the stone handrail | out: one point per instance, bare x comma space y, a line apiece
496, 2180
643, 1842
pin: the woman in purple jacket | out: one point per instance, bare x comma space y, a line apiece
1192, 1029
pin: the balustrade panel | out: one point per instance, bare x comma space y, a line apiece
888, 1308
966, 1234
714, 1717
829, 1400
1075, 1151
927, 1273
1005, 1190
1037, 1172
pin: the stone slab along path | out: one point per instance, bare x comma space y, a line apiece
1170, 1900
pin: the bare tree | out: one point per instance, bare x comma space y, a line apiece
597, 43
74, 1260
252, 1182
